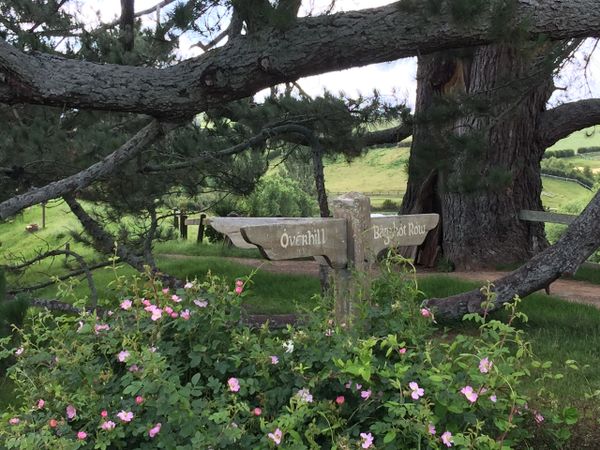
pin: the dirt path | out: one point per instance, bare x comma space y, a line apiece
570, 290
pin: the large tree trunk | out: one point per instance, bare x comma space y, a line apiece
484, 162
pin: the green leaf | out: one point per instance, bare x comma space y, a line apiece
571, 415
389, 437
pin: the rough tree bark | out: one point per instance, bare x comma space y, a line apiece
247, 64
483, 182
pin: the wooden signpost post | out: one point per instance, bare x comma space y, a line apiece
349, 242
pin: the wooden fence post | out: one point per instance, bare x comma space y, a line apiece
183, 226
355, 208
44, 215
200, 237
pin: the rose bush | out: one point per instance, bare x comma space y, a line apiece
179, 370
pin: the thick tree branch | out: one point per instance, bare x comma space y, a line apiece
66, 276
388, 136
258, 139
101, 239
84, 268
80, 180
312, 45
559, 122
580, 240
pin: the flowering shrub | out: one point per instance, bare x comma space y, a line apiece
178, 370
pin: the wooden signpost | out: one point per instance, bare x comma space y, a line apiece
349, 242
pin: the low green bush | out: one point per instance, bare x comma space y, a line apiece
178, 370
566, 153
559, 168
583, 150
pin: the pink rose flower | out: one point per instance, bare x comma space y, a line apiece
176, 298
154, 430
123, 355
426, 312
234, 384
257, 411
14, 421
71, 412
188, 285
101, 327
139, 400
41, 403
165, 291
447, 438
274, 360
125, 416
416, 391
239, 290
185, 314
431, 429
81, 435
468, 392
340, 399
104, 413
485, 365
108, 425
126, 304
365, 394
276, 436
402, 350
200, 303
367, 440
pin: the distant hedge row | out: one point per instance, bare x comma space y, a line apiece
559, 154
588, 150
568, 153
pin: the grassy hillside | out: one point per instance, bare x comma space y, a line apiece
385, 170
590, 137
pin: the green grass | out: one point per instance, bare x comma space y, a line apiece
558, 331
590, 137
590, 160
380, 169
270, 293
557, 195
191, 248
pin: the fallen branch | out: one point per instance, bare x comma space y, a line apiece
580, 240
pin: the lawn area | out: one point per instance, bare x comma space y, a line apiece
381, 169
558, 331
558, 195
589, 137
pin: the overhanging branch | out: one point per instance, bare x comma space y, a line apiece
80, 180
243, 66
259, 139
557, 123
